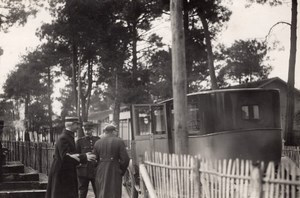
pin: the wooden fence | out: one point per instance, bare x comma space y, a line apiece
293, 152
39, 156
187, 177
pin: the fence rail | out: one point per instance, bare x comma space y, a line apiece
187, 177
293, 152
184, 176
38, 155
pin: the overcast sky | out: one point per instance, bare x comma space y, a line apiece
245, 23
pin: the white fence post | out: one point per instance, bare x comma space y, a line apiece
196, 174
256, 182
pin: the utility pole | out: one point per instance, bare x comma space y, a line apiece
179, 77
290, 108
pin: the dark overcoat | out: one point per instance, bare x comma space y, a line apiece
84, 145
62, 180
113, 161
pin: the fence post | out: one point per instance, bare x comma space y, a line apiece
17, 151
47, 158
196, 174
36, 156
28, 154
256, 182
40, 157
13, 151
142, 184
23, 153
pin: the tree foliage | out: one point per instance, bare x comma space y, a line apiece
23, 81
24, 85
245, 61
202, 22
102, 38
16, 12
161, 75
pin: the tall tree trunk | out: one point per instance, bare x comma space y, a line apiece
84, 116
85, 97
210, 58
80, 131
134, 52
188, 60
179, 78
117, 104
291, 77
27, 97
74, 71
116, 113
49, 82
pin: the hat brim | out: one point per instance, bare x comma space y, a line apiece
72, 120
109, 128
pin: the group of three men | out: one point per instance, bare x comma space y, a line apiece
108, 153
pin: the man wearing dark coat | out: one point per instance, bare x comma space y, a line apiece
113, 161
86, 172
62, 180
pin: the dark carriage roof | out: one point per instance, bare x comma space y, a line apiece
257, 85
263, 84
221, 91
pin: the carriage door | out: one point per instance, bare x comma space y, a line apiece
149, 128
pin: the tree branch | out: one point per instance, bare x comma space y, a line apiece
280, 22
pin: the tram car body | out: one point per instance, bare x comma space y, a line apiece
222, 124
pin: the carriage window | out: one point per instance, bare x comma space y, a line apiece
144, 123
159, 120
193, 118
250, 112
255, 112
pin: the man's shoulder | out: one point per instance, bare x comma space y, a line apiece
63, 135
96, 137
62, 139
79, 140
118, 139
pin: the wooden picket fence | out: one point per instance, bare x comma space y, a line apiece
37, 155
184, 176
293, 152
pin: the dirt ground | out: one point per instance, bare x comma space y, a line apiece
44, 178
92, 195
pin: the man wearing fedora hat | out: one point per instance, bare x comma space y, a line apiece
62, 180
113, 160
86, 172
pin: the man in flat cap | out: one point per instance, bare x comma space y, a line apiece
62, 180
113, 160
86, 172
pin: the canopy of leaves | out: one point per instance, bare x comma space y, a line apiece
37, 116
245, 61
23, 81
216, 15
16, 12
161, 75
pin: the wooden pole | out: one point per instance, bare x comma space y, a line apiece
179, 78
290, 109
145, 177
256, 182
196, 174
78, 89
80, 132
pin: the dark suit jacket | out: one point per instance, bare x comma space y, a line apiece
84, 145
62, 180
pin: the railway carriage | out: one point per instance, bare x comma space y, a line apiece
222, 124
